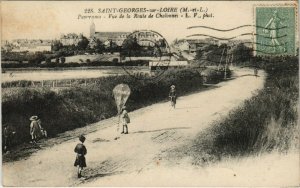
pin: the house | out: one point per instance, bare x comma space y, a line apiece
144, 38
22, 45
70, 39
107, 37
192, 45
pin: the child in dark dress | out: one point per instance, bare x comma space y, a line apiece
81, 151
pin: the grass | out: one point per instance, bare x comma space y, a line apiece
79, 106
266, 122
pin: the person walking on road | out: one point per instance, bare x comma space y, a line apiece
173, 96
125, 120
35, 129
81, 151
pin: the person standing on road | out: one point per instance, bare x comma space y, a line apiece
173, 96
255, 71
81, 151
125, 120
43, 130
8, 135
35, 129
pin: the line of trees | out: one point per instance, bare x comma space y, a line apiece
85, 45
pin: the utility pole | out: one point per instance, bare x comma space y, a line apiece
226, 61
221, 59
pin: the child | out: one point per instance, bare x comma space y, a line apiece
81, 151
43, 130
35, 129
173, 96
8, 135
125, 120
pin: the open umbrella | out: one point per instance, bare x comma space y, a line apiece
121, 93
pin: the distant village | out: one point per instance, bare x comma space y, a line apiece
70, 39
192, 45
107, 38
113, 49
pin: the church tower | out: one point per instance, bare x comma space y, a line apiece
92, 30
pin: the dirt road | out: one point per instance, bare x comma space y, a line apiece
152, 130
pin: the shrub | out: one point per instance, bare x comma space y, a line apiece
115, 60
62, 59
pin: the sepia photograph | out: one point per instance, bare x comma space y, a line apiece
150, 93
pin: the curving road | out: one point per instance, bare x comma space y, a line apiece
153, 130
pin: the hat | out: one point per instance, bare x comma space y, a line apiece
172, 86
33, 118
81, 138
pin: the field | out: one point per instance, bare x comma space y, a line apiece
61, 73
36, 75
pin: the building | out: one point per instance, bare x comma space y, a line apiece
192, 45
107, 37
23, 45
144, 38
149, 38
70, 39
6, 46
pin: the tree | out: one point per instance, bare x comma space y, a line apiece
57, 60
242, 53
209, 54
37, 58
83, 44
56, 46
62, 59
112, 46
48, 60
131, 46
162, 43
99, 46
131, 43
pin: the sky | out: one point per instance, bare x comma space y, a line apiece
50, 19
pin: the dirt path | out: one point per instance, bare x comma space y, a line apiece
153, 130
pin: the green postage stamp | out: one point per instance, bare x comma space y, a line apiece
275, 30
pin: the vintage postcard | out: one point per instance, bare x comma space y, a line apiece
150, 93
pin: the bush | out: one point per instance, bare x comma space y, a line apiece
62, 59
115, 60
57, 60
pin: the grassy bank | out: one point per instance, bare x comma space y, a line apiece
266, 122
79, 106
